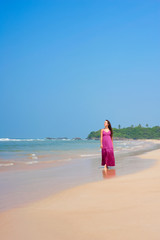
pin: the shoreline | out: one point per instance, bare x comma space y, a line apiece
19, 188
126, 206
9, 165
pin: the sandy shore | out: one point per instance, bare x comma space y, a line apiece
125, 207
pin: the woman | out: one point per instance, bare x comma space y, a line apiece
107, 145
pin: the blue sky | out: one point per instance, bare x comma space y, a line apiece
67, 66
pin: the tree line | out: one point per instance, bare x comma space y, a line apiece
137, 132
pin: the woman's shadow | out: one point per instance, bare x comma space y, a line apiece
108, 173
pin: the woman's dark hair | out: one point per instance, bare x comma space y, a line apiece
110, 127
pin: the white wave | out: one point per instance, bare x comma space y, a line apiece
67, 159
6, 164
21, 140
4, 139
34, 156
31, 162
89, 155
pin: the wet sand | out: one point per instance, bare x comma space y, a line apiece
124, 207
22, 184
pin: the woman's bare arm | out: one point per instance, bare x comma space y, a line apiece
101, 136
112, 140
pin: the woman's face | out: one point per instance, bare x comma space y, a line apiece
106, 123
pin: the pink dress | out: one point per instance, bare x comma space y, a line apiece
107, 150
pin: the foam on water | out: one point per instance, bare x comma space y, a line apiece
80, 162
89, 155
6, 164
31, 162
20, 140
31, 151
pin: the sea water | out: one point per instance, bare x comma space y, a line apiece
31, 169
34, 151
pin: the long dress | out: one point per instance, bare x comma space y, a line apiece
107, 150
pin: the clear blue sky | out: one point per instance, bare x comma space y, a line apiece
66, 66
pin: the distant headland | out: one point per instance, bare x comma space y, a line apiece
77, 138
132, 132
137, 132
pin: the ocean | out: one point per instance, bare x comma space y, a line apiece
31, 169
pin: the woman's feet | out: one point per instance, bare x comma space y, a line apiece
105, 167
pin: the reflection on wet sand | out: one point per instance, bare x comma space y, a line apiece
108, 173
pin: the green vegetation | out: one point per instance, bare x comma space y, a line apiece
137, 132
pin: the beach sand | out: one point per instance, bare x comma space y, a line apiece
124, 207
